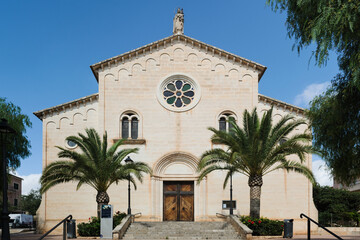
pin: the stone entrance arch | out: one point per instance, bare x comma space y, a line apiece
177, 166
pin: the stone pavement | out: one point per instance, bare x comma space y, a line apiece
314, 237
32, 236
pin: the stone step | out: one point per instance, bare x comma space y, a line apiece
181, 230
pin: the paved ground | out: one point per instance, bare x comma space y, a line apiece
32, 236
318, 237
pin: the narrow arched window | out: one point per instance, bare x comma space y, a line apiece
134, 128
225, 120
282, 141
222, 124
129, 125
125, 128
231, 119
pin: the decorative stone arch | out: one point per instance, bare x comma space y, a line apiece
224, 117
130, 115
185, 163
177, 166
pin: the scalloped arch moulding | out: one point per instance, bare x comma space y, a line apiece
185, 163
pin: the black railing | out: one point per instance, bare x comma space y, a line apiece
136, 215
220, 215
64, 221
308, 227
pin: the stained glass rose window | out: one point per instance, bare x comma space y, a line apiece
179, 93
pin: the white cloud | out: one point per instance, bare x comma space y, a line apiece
309, 93
29, 182
322, 173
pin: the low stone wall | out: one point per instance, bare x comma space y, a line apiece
120, 229
241, 228
343, 231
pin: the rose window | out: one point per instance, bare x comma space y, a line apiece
179, 93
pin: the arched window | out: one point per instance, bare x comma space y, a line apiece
134, 128
282, 140
224, 121
130, 126
125, 127
222, 124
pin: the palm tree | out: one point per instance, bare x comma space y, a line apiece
256, 149
95, 165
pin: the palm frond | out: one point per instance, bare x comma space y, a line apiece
256, 147
296, 167
96, 164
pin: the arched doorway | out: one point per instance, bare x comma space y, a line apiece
176, 194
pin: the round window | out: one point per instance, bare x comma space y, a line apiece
178, 93
71, 144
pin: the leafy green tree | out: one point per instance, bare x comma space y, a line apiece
330, 25
257, 149
97, 166
336, 205
31, 202
19, 146
335, 119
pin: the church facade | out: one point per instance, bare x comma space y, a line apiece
161, 98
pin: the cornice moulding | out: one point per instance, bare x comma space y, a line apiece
170, 40
284, 105
62, 107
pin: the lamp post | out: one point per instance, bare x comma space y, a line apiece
231, 200
128, 160
5, 129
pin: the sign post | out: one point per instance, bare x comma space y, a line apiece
106, 221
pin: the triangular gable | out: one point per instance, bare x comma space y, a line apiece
75, 103
149, 48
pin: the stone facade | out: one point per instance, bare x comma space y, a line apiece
355, 187
14, 191
170, 139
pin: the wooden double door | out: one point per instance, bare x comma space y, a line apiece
178, 201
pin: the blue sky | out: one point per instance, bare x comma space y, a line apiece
46, 48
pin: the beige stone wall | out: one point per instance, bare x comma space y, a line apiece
62, 200
174, 140
14, 193
133, 86
292, 192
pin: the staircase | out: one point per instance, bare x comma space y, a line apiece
181, 230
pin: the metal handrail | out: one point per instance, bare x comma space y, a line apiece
64, 221
220, 215
136, 215
308, 227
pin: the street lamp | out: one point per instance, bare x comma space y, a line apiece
5, 129
231, 200
128, 160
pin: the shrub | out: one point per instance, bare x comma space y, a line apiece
117, 218
263, 226
92, 228
337, 206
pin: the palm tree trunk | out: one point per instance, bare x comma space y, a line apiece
102, 198
255, 183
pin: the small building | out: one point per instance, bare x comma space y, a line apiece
14, 191
355, 187
161, 98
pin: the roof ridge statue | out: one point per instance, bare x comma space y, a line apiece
179, 22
